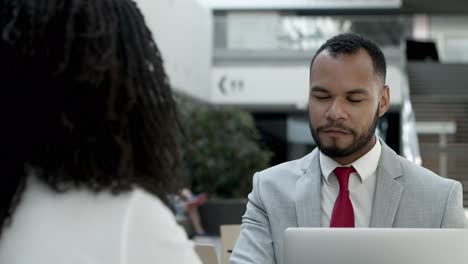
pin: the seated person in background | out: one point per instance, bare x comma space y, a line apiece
89, 129
186, 206
352, 179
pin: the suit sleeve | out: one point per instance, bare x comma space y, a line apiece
254, 244
454, 216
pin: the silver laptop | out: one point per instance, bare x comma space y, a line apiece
375, 246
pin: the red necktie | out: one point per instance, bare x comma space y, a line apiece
343, 213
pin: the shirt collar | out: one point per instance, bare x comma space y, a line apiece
365, 166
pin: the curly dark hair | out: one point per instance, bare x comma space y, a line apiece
87, 102
350, 43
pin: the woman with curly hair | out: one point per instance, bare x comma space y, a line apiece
90, 136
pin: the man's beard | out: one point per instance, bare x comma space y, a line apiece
358, 141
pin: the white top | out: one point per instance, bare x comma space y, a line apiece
80, 227
361, 186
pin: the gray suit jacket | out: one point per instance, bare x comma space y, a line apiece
288, 195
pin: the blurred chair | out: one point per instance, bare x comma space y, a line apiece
207, 253
229, 235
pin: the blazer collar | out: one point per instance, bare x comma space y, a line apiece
388, 189
307, 196
387, 196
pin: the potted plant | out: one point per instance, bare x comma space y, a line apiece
221, 152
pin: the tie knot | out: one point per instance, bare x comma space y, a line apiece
342, 174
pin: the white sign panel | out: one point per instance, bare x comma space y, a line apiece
277, 85
302, 4
260, 85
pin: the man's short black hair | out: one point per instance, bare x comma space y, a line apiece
349, 43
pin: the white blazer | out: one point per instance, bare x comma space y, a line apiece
80, 227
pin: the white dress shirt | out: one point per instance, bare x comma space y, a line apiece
361, 186
82, 227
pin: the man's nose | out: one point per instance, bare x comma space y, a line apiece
336, 111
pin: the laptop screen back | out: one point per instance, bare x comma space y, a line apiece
375, 246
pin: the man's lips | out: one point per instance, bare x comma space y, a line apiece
336, 131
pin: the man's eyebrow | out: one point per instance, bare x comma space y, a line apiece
319, 89
358, 91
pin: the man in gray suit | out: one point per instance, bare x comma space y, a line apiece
352, 179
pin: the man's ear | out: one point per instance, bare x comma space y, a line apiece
384, 100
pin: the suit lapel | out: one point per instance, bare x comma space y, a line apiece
387, 190
308, 192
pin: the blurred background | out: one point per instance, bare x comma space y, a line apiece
240, 72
